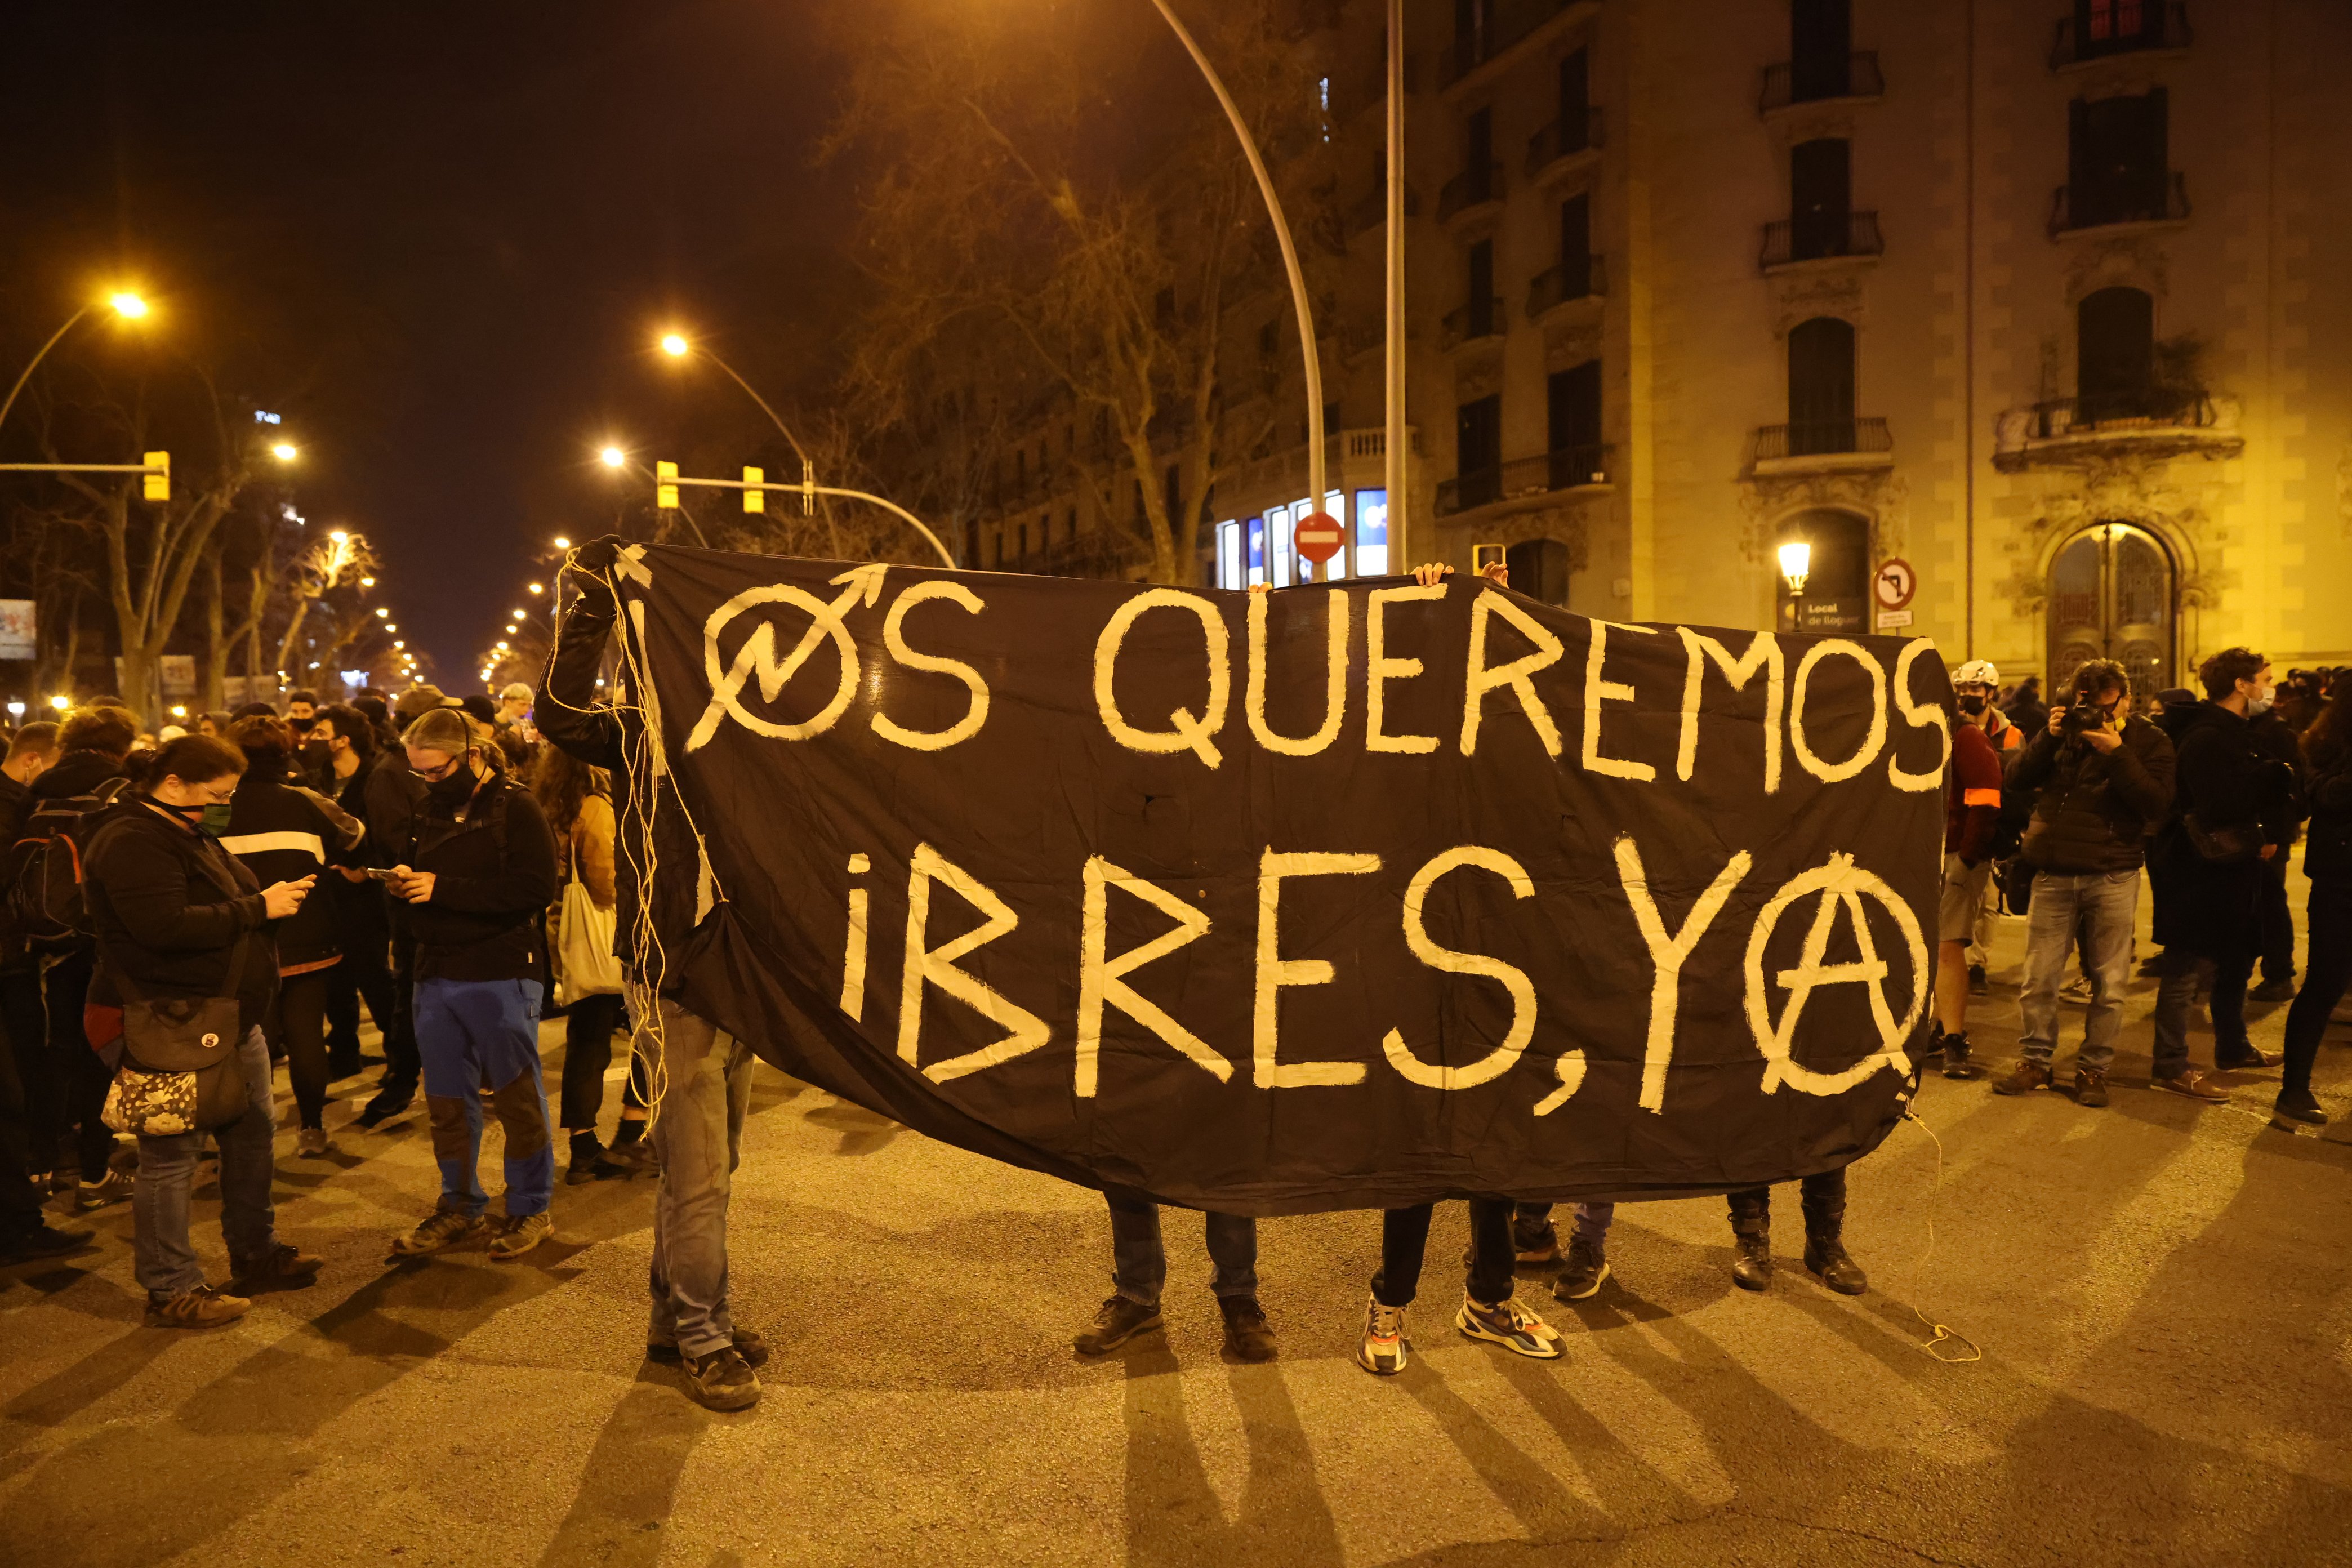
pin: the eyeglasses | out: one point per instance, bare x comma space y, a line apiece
434, 775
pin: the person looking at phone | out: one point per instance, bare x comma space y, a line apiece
178, 917
477, 895
2106, 778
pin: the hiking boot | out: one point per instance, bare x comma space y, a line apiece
1956, 1057
517, 1236
441, 1230
311, 1141
1751, 1239
2273, 991
1385, 1350
1509, 1325
2297, 1105
2193, 1085
2244, 1057
1117, 1322
1826, 1256
201, 1308
110, 1188
2090, 1088
722, 1380
747, 1344
1247, 1337
39, 1240
1580, 1279
282, 1267
2023, 1078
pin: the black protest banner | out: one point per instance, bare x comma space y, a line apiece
1341, 895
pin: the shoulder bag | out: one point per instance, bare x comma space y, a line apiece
180, 1070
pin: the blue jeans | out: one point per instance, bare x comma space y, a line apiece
470, 1033
698, 1135
164, 1262
1140, 1262
2102, 906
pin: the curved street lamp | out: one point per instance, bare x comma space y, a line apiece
127, 305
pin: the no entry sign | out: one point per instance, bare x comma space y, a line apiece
1319, 537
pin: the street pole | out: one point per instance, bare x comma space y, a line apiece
1393, 446
1315, 468
808, 487
808, 469
38, 358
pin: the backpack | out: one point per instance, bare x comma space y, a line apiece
42, 874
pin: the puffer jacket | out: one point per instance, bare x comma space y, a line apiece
2096, 809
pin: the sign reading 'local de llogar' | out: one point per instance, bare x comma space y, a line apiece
1342, 896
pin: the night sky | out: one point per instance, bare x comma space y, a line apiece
442, 236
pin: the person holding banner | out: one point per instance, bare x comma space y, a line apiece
1140, 1267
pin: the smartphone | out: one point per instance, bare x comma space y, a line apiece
383, 873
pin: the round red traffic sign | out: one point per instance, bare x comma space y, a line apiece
1319, 537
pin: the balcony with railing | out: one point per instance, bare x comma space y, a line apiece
1564, 140
2144, 421
2129, 27
1467, 323
1822, 444
1372, 212
1473, 188
1819, 236
2075, 208
1855, 75
1587, 279
1565, 468
1499, 27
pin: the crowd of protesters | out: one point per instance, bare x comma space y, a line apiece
186, 910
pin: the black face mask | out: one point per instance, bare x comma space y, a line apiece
1972, 704
454, 790
318, 754
302, 726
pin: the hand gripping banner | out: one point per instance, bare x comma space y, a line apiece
1342, 896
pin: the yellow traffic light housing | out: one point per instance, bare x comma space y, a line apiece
158, 482
666, 486
754, 499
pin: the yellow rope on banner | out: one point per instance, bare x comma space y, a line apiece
1940, 1333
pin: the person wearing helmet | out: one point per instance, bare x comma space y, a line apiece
1971, 807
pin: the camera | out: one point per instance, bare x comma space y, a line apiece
2084, 714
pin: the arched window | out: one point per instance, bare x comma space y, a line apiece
1539, 570
2115, 355
1821, 386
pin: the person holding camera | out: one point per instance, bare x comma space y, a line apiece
2106, 780
2233, 812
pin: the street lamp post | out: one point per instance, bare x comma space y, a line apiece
809, 488
676, 346
130, 307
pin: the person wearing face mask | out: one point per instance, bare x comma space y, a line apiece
476, 893
179, 917
2233, 812
362, 927
2104, 778
1972, 805
301, 710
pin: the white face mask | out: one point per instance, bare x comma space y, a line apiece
2260, 704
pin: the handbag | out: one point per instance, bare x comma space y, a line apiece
180, 1071
2222, 845
590, 968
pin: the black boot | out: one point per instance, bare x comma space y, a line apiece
1752, 1238
1826, 1253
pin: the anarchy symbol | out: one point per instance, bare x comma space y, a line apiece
757, 657
1841, 885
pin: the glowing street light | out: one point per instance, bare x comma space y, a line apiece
562, 542
339, 537
60, 702
1796, 563
285, 451
536, 588
127, 305
675, 345
611, 457
382, 612
367, 582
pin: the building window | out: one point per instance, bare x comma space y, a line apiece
1229, 557
1836, 596
1573, 417
1478, 158
1253, 558
1371, 533
1478, 450
1821, 198
1478, 309
1821, 386
1576, 247
1575, 101
2115, 355
2116, 160
1821, 49
1539, 570
1471, 22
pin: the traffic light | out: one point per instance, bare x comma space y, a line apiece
754, 499
158, 482
666, 486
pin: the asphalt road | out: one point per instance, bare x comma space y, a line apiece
2162, 1293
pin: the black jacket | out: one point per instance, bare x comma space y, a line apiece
2327, 785
284, 834
493, 876
2214, 907
172, 910
2096, 809
75, 773
16, 804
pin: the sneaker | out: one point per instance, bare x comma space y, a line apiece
517, 1236
1535, 1249
2194, 1085
2090, 1088
441, 1230
390, 1100
1955, 1057
1385, 1350
201, 1308
2077, 991
282, 1267
2273, 991
2297, 1105
2244, 1057
1247, 1337
1117, 1321
310, 1142
110, 1188
722, 1380
41, 1240
2024, 1077
1511, 1326
664, 1348
1580, 1279
621, 1161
